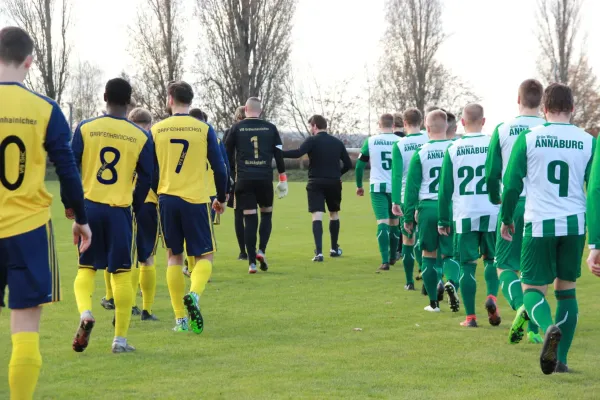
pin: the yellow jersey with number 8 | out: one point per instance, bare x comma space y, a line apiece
108, 149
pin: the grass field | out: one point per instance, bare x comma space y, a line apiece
290, 333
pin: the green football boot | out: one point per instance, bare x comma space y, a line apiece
193, 308
516, 332
534, 338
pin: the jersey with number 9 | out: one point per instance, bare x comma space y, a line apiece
181, 144
108, 149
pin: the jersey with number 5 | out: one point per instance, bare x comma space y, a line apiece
379, 150
556, 159
111, 151
463, 186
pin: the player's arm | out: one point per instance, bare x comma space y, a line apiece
593, 197
513, 179
361, 163
346, 161
230, 146
397, 172
145, 174
446, 191
413, 184
282, 186
217, 164
493, 168
225, 163
61, 155
304, 148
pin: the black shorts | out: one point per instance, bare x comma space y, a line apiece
321, 192
250, 194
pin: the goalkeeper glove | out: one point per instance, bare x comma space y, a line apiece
282, 186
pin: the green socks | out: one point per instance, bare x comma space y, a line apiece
429, 275
383, 238
408, 260
566, 319
468, 286
394, 239
534, 299
491, 278
439, 262
452, 271
511, 288
419, 255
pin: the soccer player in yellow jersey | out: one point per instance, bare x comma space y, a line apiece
110, 149
146, 233
32, 127
184, 144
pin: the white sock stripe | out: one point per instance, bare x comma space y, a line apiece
473, 278
563, 320
533, 310
509, 286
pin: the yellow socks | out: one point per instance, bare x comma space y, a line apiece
107, 285
24, 366
148, 284
135, 279
121, 284
191, 262
84, 288
176, 284
200, 276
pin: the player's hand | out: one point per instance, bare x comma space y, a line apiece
360, 192
593, 262
219, 207
82, 234
444, 230
69, 213
507, 231
397, 211
282, 186
408, 227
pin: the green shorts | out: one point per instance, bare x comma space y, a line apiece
544, 259
472, 245
382, 205
508, 254
429, 238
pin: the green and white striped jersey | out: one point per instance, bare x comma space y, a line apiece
463, 186
401, 155
379, 150
503, 140
423, 180
556, 159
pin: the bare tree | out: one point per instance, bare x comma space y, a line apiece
51, 51
246, 53
563, 58
334, 101
158, 48
85, 88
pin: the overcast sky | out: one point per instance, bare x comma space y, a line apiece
492, 44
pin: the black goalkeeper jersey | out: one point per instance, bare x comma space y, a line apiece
251, 146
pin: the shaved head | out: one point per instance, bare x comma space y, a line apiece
436, 122
473, 113
253, 106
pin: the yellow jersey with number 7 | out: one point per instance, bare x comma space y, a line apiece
181, 144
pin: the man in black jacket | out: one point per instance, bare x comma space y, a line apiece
324, 184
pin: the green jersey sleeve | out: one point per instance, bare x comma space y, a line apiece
364, 150
493, 168
593, 199
397, 171
413, 185
359, 170
513, 179
446, 191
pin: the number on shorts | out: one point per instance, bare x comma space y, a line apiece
469, 173
563, 177
254, 140
386, 160
186, 146
22, 158
434, 173
108, 165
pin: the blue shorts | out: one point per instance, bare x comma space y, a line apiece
147, 231
112, 245
28, 264
186, 222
